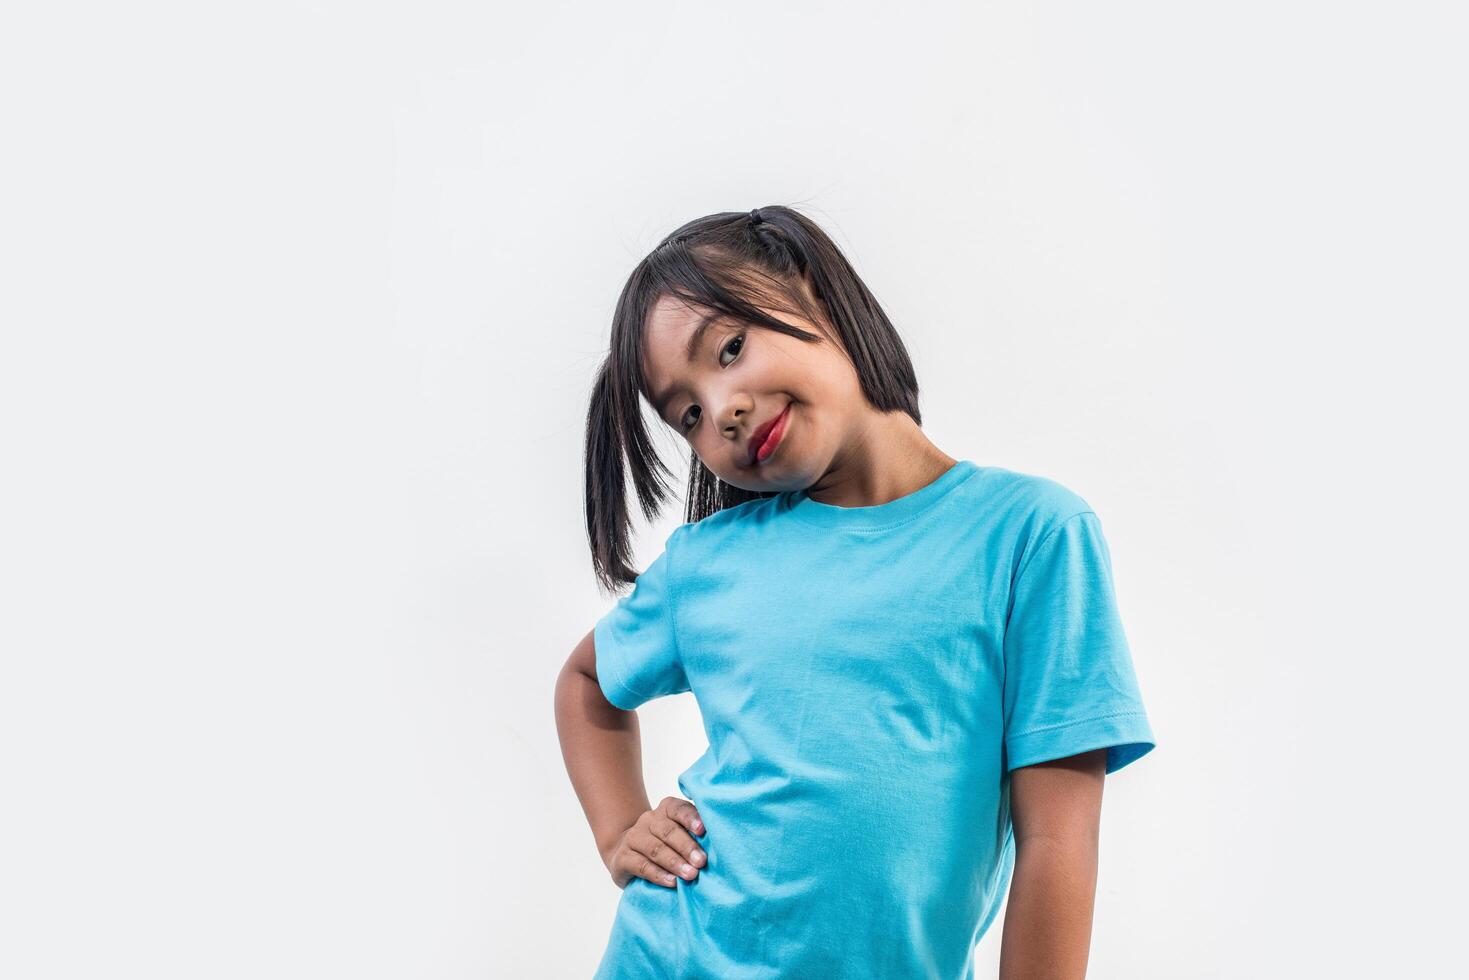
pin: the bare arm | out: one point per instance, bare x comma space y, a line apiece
602, 748
1056, 808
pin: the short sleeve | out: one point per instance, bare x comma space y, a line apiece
635, 642
1069, 683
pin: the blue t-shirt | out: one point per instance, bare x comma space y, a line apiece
867, 677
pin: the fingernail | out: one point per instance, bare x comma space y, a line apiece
699, 826
698, 856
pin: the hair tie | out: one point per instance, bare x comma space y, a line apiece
755, 216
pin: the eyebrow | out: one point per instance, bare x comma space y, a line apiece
660, 402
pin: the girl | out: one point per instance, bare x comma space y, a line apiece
910, 667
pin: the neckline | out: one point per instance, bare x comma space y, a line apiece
876, 516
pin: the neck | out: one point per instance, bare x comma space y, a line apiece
891, 457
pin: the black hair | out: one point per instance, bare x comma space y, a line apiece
723, 262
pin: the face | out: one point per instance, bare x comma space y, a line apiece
762, 410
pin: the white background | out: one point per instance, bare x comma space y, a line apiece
301, 307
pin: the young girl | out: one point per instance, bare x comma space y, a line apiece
910, 667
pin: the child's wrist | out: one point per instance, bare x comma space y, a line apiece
607, 846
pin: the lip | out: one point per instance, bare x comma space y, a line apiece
768, 437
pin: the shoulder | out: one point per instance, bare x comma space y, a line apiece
731, 520
1030, 508
1032, 498
721, 528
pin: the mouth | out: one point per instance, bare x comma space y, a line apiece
766, 438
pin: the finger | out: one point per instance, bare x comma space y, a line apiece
672, 833
640, 865
684, 812
650, 840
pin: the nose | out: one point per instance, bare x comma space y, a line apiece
736, 408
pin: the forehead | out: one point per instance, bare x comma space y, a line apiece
672, 319
675, 330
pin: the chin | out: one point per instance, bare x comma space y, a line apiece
742, 480
744, 477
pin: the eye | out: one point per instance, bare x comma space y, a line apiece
736, 345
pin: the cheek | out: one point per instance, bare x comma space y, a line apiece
778, 369
818, 381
